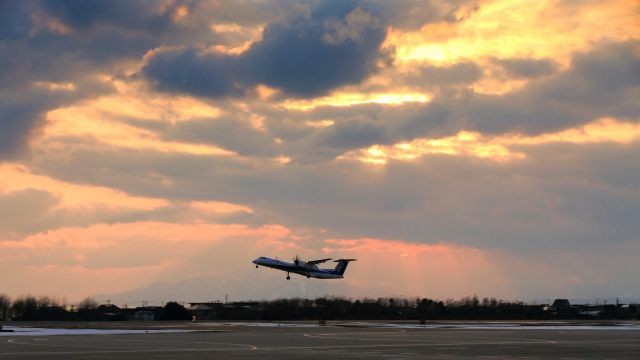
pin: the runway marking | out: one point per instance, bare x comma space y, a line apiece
250, 347
276, 348
105, 351
16, 342
396, 345
341, 337
540, 340
164, 341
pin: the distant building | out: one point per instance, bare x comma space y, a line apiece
561, 304
206, 310
562, 309
109, 312
558, 305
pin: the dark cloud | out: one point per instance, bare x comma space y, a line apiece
413, 14
15, 19
527, 68
132, 14
33, 56
17, 124
337, 44
188, 71
325, 144
308, 57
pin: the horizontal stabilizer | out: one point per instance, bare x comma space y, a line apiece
314, 262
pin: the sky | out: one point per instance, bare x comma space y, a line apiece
453, 147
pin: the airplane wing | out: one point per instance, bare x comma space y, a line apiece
315, 262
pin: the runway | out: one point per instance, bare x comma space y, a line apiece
242, 341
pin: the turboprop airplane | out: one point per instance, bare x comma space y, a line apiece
305, 268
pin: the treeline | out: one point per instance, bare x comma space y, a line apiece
467, 308
400, 309
323, 308
44, 308
337, 308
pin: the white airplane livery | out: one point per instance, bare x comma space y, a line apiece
309, 269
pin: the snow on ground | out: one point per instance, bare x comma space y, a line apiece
28, 331
270, 324
469, 326
507, 326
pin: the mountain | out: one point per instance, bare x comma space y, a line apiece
255, 284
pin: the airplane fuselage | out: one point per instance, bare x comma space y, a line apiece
302, 268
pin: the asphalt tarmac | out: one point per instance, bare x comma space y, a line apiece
229, 342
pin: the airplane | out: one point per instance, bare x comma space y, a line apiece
305, 268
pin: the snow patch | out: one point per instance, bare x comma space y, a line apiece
29, 331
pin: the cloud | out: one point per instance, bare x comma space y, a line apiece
539, 202
305, 55
430, 77
17, 125
236, 135
327, 143
23, 211
413, 14
527, 68
15, 19
208, 74
132, 253
144, 15
603, 82
67, 42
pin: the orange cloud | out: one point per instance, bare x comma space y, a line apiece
248, 36
14, 177
514, 29
104, 235
88, 122
79, 261
521, 28
344, 98
497, 148
384, 246
219, 207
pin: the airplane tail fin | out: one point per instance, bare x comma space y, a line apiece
342, 265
